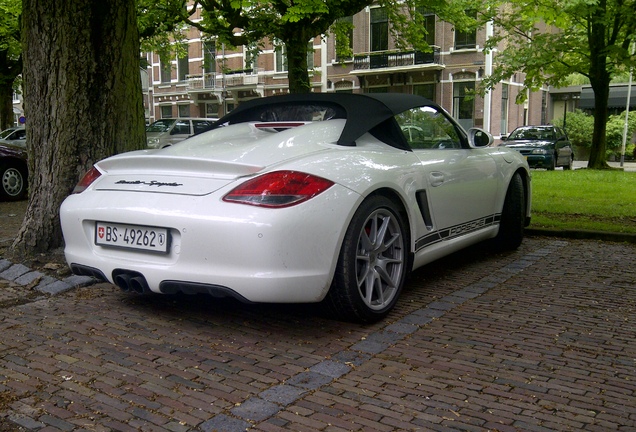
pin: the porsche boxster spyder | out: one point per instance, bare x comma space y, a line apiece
330, 198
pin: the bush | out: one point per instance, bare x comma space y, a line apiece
615, 129
579, 127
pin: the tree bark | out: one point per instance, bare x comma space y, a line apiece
598, 156
296, 42
83, 101
600, 81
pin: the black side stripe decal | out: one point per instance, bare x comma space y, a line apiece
456, 231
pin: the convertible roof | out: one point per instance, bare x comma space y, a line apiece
363, 112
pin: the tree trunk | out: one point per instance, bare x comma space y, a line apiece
296, 44
600, 80
83, 101
598, 156
6, 106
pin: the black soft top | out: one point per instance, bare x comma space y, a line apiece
363, 112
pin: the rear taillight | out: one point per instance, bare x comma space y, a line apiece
87, 180
278, 189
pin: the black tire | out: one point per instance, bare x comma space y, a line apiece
13, 182
372, 265
513, 216
552, 165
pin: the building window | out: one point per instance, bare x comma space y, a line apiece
310, 55
466, 39
212, 110
183, 67
209, 56
281, 59
251, 60
504, 108
425, 90
464, 103
544, 107
166, 69
184, 110
347, 38
379, 29
166, 111
429, 24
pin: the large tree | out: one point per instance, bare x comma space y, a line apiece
550, 39
10, 57
293, 24
83, 101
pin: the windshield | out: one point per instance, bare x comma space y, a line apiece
5, 133
160, 125
532, 134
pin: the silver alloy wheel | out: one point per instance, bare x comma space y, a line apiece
380, 259
12, 182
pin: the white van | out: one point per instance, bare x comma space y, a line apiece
168, 131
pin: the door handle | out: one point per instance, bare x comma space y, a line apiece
436, 178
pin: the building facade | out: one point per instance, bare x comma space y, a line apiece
211, 80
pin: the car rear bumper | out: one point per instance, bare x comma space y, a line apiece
254, 254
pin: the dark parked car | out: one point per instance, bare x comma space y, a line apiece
543, 146
13, 172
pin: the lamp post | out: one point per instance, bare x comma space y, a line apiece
565, 109
629, 95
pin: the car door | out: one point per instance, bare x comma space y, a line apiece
563, 147
199, 126
462, 182
182, 129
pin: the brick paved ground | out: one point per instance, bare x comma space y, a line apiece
538, 340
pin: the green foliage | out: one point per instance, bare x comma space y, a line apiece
579, 128
161, 26
10, 48
576, 79
616, 128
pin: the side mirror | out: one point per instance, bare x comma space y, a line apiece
479, 138
504, 137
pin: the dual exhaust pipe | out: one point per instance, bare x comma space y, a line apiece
131, 282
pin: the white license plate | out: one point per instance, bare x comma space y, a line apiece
132, 236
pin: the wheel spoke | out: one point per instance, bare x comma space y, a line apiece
379, 259
379, 290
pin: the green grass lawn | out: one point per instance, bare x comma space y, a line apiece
600, 200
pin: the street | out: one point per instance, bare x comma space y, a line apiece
539, 339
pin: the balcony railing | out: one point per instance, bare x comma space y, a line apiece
394, 59
217, 81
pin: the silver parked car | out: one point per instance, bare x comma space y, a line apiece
14, 135
168, 131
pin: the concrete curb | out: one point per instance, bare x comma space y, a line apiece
582, 235
22, 275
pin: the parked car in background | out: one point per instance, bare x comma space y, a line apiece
320, 197
13, 171
169, 131
14, 135
543, 146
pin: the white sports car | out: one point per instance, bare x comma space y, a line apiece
328, 198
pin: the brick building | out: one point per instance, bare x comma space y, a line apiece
210, 80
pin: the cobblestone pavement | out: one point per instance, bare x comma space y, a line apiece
541, 339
